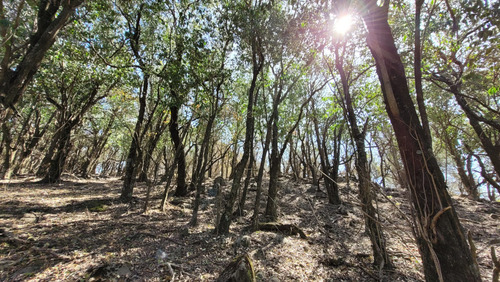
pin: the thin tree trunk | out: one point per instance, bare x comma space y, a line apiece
260, 176
33, 141
199, 172
417, 67
257, 65
133, 156
380, 255
241, 205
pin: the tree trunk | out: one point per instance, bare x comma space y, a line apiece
488, 146
417, 67
275, 160
152, 142
6, 144
445, 253
181, 189
133, 156
241, 205
257, 65
260, 176
98, 145
277, 154
33, 141
199, 174
330, 173
467, 180
380, 256
56, 163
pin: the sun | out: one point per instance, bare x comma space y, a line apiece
343, 24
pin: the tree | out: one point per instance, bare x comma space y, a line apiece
252, 37
22, 55
347, 78
439, 233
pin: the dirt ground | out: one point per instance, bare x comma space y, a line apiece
77, 230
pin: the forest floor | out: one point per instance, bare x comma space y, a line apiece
77, 230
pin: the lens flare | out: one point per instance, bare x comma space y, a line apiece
343, 24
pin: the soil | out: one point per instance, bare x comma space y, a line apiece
77, 230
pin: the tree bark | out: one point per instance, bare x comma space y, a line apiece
445, 253
151, 144
33, 140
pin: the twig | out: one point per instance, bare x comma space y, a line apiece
171, 272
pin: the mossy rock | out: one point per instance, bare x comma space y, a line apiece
239, 270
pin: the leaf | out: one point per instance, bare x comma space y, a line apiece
492, 91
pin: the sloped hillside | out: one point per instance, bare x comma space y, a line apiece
78, 230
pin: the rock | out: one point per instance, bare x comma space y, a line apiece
239, 270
